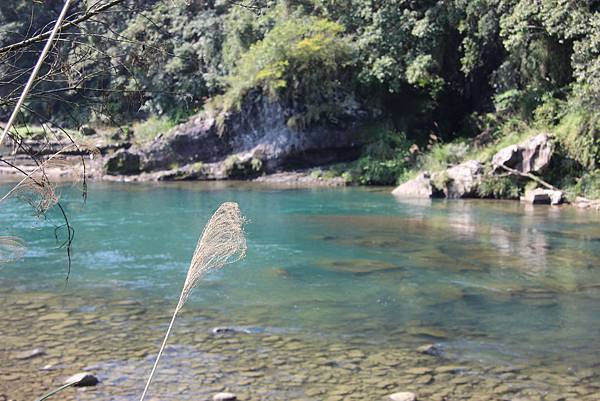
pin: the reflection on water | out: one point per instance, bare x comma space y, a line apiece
343, 282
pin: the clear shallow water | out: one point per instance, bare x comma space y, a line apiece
491, 282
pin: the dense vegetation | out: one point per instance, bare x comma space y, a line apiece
431, 73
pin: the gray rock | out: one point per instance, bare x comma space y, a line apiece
541, 196
224, 397
82, 380
223, 330
258, 131
402, 396
30, 354
430, 349
418, 187
123, 162
86, 130
532, 155
461, 181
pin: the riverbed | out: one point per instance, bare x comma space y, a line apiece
340, 288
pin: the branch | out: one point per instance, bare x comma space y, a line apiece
530, 176
68, 24
36, 69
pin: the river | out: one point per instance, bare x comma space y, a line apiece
338, 290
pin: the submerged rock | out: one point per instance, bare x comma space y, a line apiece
402, 396
360, 266
224, 397
430, 349
532, 155
426, 331
223, 330
30, 354
82, 380
541, 196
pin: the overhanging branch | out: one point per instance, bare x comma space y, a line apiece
41, 37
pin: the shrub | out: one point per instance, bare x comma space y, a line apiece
588, 185
301, 61
385, 161
499, 187
147, 130
579, 134
440, 156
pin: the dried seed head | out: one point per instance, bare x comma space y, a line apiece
222, 242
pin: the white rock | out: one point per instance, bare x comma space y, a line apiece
82, 380
224, 397
418, 187
403, 396
463, 179
532, 155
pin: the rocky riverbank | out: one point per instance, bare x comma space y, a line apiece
243, 145
524, 163
116, 341
256, 144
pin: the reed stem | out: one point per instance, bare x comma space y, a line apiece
162, 347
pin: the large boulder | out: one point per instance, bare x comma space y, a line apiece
532, 155
418, 187
460, 181
257, 133
86, 130
123, 162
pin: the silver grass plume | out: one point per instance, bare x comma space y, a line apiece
11, 248
222, 242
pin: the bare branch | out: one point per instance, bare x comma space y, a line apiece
68, 24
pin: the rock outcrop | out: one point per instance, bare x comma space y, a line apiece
123, 162
419, 187
245, 143
532, 155
460, 181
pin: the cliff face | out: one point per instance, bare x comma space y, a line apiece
254, 140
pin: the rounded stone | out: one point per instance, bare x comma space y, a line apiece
224, 397
82, 380
402, 396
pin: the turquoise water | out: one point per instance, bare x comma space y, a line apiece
487, 281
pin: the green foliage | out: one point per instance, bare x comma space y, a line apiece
385, 161
300, 61
146, 131
579, 134
242, 169
426, 66
587, 186
499, 187
441, 156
